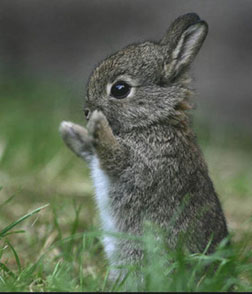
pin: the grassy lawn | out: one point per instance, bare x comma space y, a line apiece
58, 248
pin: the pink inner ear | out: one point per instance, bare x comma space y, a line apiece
188, 47
192, 43
189, 42
178, 26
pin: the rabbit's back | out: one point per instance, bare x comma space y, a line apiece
166, 180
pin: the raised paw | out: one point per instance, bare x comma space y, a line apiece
76, 138
97, 125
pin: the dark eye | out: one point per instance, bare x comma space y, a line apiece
120, 90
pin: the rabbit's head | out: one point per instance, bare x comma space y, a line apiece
145, 84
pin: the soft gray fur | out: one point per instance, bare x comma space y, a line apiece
146, 151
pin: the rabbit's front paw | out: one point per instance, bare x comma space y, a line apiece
76, 138
97, 125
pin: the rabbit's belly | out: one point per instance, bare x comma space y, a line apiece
102, 184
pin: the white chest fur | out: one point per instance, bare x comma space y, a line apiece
102, 186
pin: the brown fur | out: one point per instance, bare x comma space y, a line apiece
146, 146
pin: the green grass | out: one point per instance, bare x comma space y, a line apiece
58, 248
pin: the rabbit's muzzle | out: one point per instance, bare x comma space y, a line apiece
87, 113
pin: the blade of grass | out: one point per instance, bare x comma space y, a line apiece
75, 224
12, 225
77, 210
15, 255
2, 280
55, 271
56, 223
105, 280
7, 270
6, 201
198, 265
14, 232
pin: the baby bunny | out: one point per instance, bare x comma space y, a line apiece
143, 155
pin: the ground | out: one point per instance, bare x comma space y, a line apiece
51, 252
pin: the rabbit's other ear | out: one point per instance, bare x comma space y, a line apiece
182, 43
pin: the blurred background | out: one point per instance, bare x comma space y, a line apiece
48, 48
65, 39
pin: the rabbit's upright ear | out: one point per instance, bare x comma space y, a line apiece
182, 43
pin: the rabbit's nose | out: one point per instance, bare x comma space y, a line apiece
87, 113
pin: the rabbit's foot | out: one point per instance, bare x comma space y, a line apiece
98, 127
76, 138
111, 153
99, 130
